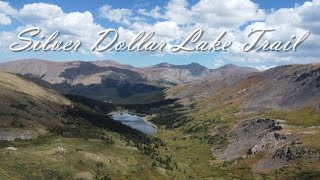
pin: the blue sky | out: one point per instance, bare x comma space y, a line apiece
135, 15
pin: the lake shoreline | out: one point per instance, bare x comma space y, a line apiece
130, 116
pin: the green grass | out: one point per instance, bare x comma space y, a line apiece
215, 111
194, 157
42, 160
301, 117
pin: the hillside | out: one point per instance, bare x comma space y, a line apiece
21, 101
44, 135
266, 122
218, 79
283, 87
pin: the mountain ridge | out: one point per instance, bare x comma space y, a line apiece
288, 86
111, 77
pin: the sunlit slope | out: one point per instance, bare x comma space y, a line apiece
266, 123
24, 103
43, 137
283, 87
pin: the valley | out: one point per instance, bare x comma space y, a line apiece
229, 123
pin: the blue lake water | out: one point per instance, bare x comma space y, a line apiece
135, 121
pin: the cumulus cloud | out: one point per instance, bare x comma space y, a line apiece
262, 67
72, 26
38, 12
75, 23
119, 15
4, 20
212, 13
5, 12
176, 20
227, 14
286, 22
177, 11
154, 13
215, 16
5, 8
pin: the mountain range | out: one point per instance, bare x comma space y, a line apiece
111, 81
230, 123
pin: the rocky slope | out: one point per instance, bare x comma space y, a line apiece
218, 79
291, 86
175, 74
266, 120
43, 135
283, 87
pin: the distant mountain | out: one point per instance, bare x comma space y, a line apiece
231, 69
194, 68
75, 72
111, 81
169, 74
80, 72
108, 63
103, 80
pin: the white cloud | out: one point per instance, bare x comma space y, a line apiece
262, 67
167, 30
4, 20
227, 14
287, 22
177, 11
120, 15
5, 12
178, 19
212, 13
6, 37
154, 13
38, 12
5, 8
214, 17
72, 26
75, 23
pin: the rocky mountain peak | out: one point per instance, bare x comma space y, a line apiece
163, 65
228, 66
